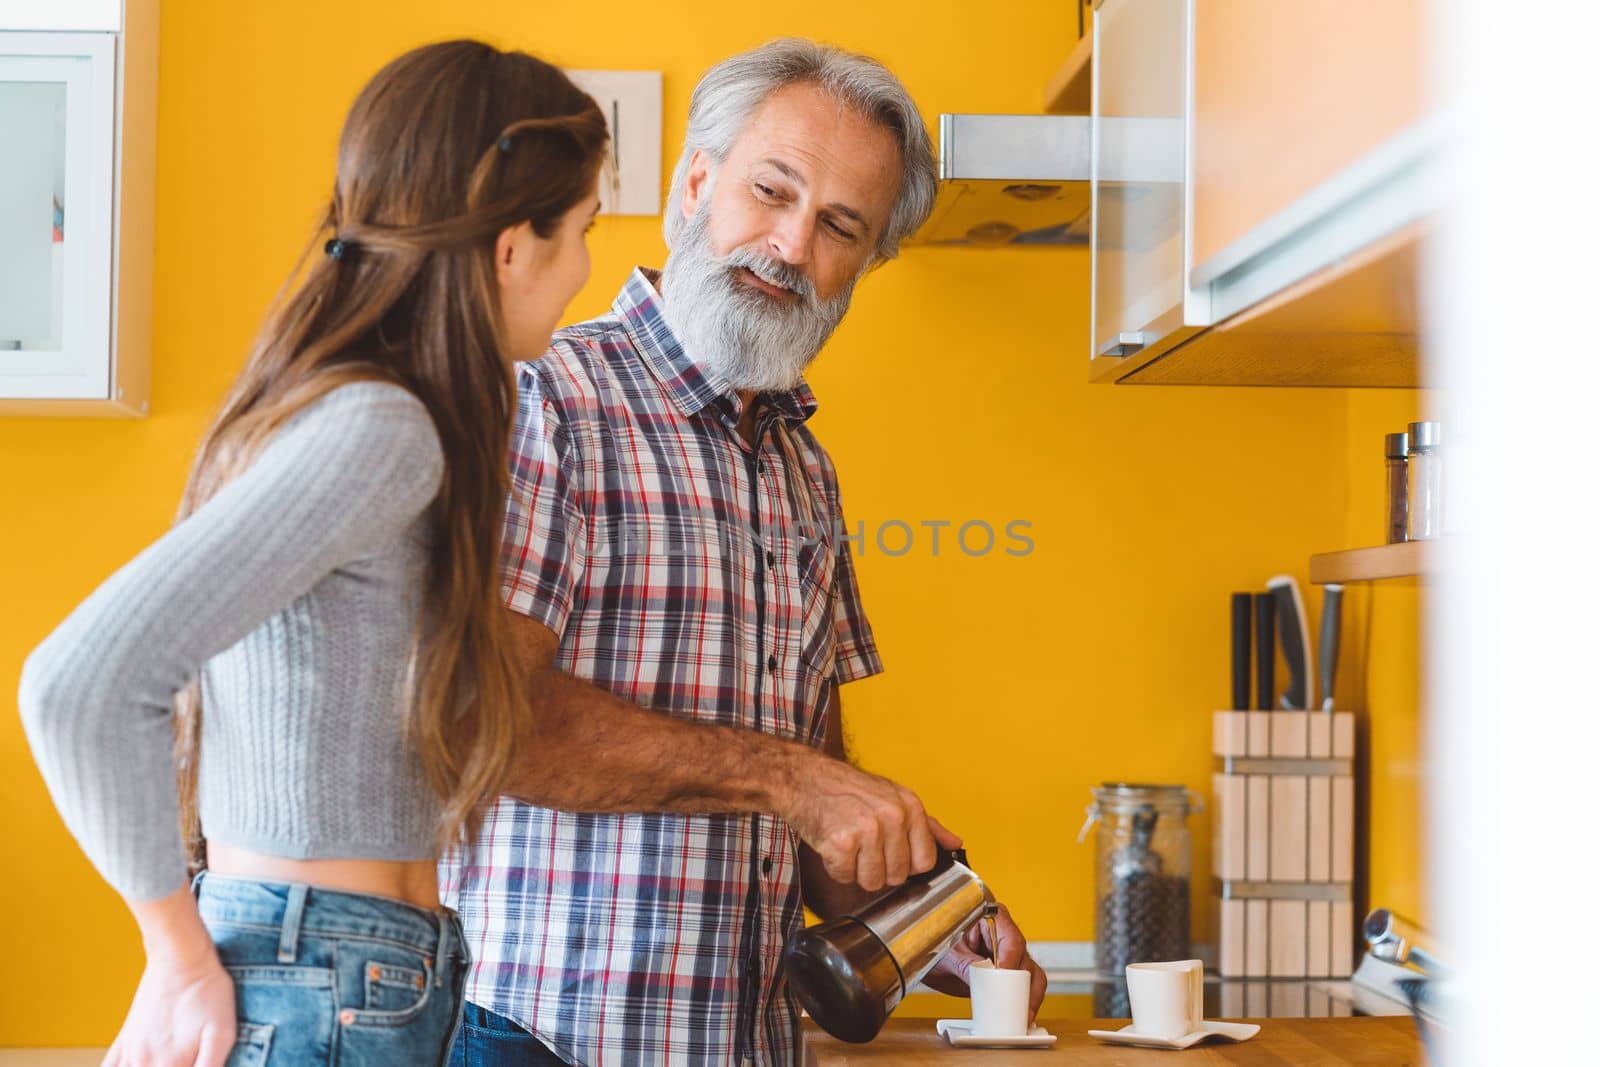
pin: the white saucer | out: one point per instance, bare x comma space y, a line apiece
1208, 1028
959, 1033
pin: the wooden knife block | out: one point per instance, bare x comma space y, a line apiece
1283, 847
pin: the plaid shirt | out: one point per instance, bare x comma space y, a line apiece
687, 572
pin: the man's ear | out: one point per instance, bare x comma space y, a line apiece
698, 183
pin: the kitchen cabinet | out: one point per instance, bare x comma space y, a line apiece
1138, 294
77, 115
1289, 250
1286, 95
1069, 88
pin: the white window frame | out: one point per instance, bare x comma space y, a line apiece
81, 369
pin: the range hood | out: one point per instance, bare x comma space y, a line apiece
1021, 180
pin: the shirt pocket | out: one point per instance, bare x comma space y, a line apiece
814, 562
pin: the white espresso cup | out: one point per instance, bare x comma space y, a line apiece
1166, 998
999, 1000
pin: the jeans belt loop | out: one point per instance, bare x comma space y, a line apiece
289, 940
441, 950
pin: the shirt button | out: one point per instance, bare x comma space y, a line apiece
772, 559
766, 865
772, 664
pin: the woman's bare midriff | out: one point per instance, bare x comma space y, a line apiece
412, 881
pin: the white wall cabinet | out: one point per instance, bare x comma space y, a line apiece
1139, 296
1288, 252
77, 119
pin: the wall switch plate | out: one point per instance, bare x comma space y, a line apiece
631, 101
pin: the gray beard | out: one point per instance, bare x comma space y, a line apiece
746, 338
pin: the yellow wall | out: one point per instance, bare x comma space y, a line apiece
1383, 684
954, 391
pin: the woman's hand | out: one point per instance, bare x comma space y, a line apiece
183, 1014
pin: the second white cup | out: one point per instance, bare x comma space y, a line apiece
1167, 999
999, 1001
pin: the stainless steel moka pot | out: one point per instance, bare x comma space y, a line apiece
850, 972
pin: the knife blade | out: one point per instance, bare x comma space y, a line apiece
1295, 638
1328, 646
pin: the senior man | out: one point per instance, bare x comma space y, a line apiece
687, 608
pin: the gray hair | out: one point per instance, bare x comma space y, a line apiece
731, 91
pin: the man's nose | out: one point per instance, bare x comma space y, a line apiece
790, 240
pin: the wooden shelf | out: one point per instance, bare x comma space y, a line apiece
1069, 90
1409, 559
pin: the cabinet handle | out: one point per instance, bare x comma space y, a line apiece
1126, 344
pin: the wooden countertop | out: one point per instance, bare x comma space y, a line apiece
1357, 1042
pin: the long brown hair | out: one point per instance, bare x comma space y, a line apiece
446, 147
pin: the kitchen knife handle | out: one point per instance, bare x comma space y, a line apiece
1240, 604
1266, 635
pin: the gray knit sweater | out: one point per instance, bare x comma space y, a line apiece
295, 595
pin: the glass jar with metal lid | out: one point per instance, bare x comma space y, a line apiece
1141, 873
1424, 481
1394, 459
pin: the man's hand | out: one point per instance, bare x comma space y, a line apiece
866, 830
949, 975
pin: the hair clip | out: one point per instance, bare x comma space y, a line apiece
505, 143
334, 248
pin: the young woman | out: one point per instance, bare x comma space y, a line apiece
331, 597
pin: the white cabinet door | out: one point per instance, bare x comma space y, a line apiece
1289, 94
61, 15
1140, 299
57, 123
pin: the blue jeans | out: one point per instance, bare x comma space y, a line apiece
324, 977
490, 1040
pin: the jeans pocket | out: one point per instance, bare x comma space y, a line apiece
488, 1022
251, 1044
397, 990
393, 988
294, 1005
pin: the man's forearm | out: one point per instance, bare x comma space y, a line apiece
585, 749
824, 894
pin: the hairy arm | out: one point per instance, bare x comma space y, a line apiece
584, 749
589, 750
